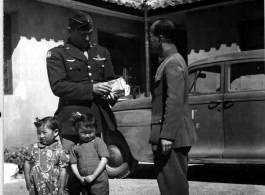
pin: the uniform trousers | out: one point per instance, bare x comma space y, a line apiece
171, 171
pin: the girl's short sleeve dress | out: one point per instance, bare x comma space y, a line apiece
46, 162
87, 156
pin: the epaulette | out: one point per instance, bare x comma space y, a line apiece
58, 46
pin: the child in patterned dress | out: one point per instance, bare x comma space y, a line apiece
46, 161
90, 156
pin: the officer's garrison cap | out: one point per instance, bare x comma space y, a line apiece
79, 20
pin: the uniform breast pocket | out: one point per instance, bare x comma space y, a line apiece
100, 67
158, 87
74, 71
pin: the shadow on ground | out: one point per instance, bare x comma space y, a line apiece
236, 174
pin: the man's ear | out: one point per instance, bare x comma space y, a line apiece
55, 132
161, 38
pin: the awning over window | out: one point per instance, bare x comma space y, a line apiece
152, 4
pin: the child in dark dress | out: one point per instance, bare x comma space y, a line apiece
46, 161
90, 156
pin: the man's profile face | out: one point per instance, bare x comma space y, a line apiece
154, 40
80, 38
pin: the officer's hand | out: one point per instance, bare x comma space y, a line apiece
101, 88
112, 97
166, 146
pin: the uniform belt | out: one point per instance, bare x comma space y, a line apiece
86, 103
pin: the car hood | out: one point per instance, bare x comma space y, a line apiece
144, 103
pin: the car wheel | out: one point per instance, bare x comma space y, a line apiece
121, 164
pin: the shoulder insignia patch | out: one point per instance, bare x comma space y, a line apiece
49, 54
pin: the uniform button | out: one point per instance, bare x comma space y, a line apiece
92, 81
89, 66
71, 68
102, 65
90, 74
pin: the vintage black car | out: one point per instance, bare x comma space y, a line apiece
227, 101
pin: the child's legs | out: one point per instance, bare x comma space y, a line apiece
101, 185
72, 183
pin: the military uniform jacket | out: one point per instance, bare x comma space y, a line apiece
71, 77
171, 118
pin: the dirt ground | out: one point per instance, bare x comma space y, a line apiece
203, 180
149, 187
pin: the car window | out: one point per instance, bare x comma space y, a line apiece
205, 80
247, 76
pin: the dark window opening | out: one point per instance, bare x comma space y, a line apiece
126, 55
252, 34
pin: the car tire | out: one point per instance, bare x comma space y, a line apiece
121, 164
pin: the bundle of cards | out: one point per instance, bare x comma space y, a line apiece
119, 87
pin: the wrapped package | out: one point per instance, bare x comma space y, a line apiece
119, 87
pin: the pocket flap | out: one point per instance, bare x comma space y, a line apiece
156, 126
156, 120
73, 66
100, 63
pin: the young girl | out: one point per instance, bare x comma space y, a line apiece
90, 156
45, 161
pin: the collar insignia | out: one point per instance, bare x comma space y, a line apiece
99, 58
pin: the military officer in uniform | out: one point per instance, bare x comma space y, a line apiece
78, 73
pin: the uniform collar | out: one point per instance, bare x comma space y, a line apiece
75, 52
53, 146
81, 49
167, 53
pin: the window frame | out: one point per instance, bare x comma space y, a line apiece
196, 68
228, 73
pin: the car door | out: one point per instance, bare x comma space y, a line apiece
206, 101
244, 109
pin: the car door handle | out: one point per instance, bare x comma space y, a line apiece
216, 103
227, 105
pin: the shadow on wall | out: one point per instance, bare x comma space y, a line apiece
32, 19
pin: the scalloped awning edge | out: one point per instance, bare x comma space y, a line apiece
151, 4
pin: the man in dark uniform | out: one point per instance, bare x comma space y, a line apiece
172, 130
78, 73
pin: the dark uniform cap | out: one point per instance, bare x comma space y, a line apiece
79, 20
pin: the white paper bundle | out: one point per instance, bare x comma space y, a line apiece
119, 86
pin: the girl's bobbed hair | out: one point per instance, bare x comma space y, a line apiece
50, 122
85, 120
